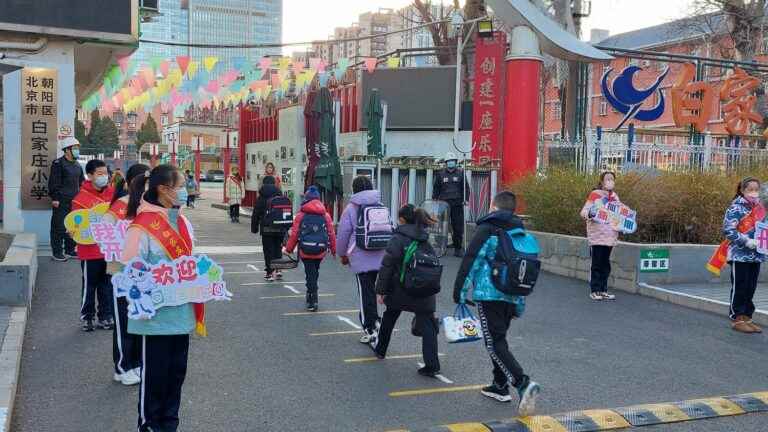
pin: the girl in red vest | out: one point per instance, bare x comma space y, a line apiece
126, 348
158, 232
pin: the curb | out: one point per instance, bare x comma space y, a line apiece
221, 206
10, 362
694, 302
622, 418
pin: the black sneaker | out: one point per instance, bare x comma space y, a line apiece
58, 257
72, 255
493, 391
106, 324
88, 325
528, 391
428, 372
379, 355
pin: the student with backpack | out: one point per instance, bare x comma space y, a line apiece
313, 232
409, 280
364, 232
496, 270
273, 214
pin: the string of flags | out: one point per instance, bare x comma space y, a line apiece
177, 83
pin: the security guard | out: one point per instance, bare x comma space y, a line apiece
451, 186
63, 184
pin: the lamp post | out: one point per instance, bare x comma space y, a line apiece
154, 150
226, 156
173, 147
197, 148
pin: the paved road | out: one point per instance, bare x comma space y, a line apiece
263, 370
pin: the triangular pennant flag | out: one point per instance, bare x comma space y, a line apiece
149, 77
314, 63
123, 60
285, 62
155, 62
275, 80
265, 63
192, 69
183, 62
324, 79
164, 68
343, 63
298, 67
212, 87
239, 62
210, 62
370, 64
393, 62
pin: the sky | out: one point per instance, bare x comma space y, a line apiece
306, 20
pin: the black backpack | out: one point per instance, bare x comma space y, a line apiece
515, 266
313, 234
421, 271
278, 216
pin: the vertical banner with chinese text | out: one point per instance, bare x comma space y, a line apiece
39, 123
486, 105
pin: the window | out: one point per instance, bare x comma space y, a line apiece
603, 109
557, 110
164, 119
720, 109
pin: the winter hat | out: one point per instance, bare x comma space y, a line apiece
312, 193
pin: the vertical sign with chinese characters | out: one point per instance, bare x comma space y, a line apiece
39, 125
486, 117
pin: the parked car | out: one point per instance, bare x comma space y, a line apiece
202, 177
214, 176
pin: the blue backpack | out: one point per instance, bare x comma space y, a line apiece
313, 234
515, 267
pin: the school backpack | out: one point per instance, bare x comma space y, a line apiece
515, 266
278, 216
313, 234
421, 271
374, 227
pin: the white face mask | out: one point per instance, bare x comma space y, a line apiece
101, 181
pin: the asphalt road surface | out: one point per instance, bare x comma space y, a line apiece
268, 366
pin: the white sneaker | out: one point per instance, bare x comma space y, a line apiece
129, 378
367, 337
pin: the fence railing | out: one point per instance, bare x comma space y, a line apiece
620, 152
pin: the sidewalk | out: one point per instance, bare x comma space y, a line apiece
707, 297
12, 325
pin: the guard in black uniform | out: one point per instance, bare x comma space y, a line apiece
451, 186
63, 184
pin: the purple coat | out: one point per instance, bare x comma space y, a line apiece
360, 260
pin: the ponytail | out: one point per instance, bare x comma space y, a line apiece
161, 175
415, 216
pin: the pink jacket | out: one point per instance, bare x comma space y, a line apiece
599, 234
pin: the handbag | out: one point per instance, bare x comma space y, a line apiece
462, 326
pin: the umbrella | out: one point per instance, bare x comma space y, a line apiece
374, 113
328, 171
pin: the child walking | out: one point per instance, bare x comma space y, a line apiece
739, 230
271, 235
389, 288
496, 309
313, 231
364, 263
602, 238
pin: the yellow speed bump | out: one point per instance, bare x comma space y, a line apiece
606, 419
723, 407
426, 391
542, 424
467, 427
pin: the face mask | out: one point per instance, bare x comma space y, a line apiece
450, 164
101, 181
75, 153
181, 196
752, 196
173, 214
609, 184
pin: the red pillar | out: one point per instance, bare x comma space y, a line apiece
197, 165
521, 118
226, 156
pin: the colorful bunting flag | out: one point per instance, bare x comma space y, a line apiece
393, 62
183, 62
210, 62
370, 64
123, 60
265, 63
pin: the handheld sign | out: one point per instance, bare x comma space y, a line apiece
78, 223
187, 279
620, 217
110, 238
761, 236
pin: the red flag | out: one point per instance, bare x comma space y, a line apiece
370, 64
183, 62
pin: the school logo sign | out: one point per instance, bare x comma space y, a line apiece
628, 100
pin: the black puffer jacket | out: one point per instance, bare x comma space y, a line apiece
388, 282
266, 192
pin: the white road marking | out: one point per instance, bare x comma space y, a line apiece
227, 273
227, 250
293, 290
348, 321
240, 262
292, 296
438, 376
267, 283
251, 266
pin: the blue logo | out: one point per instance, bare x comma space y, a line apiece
627, 100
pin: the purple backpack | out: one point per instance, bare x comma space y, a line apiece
374, 227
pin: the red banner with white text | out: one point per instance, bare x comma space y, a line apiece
487, 100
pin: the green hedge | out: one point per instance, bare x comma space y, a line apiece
672, 207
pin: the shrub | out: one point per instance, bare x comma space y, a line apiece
672, 207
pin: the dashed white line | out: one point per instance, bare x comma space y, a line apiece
348, 321
441, 377
293, 290
251, 266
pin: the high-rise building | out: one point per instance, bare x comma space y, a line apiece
215, 22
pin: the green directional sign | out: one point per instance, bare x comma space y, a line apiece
654, 261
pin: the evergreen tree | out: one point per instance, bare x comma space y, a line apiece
80, 133
147, 133
102, 137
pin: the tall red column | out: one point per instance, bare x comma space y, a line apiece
197, 164
521, 106
226, 156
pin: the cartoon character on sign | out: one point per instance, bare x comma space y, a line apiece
628, 100
136, 284
78, 223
